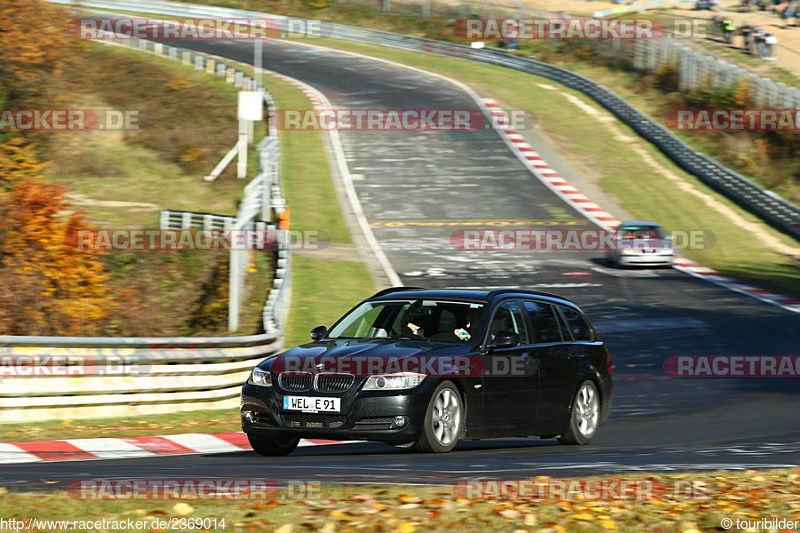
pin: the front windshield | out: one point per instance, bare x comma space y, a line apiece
429, 320
640, 232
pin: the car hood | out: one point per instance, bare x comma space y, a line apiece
312, 353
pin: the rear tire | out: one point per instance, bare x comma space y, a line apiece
444, 420
584, 416
272, 447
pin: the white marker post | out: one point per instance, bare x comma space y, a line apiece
251, 109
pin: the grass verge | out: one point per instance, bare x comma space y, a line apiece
213, 421
715, 496
322, 290
122, 179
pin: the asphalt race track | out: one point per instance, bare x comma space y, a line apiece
405, 180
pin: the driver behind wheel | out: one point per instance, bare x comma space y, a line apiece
412, 322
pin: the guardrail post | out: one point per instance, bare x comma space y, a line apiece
230, 75
652, 53
158, 49
638, 53
187, 58
198, 62
210, 66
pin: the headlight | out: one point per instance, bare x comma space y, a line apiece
393, 381
261, 378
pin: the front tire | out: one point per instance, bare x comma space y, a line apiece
584, 416
444, 420
272, 447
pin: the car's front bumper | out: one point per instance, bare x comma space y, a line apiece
364, 415
646, 258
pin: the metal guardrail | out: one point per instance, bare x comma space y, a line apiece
777, 211
114, 376
262, 196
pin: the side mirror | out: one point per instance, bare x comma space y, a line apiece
318, 332
505, 339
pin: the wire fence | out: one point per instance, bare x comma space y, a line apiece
699, 70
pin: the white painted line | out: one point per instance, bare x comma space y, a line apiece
347, 180
355, 203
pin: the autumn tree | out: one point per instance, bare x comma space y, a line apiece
48, 284
33, 45
17, 162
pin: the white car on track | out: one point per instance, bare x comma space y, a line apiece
641, 243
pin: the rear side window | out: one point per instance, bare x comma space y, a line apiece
543, 321
581, 331
508, 317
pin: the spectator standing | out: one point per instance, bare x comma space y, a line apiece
716, 27
747, 38
728, 29
759, 43
771, 46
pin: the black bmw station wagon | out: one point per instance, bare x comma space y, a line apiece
432, 367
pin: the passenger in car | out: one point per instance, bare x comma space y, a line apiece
464, 333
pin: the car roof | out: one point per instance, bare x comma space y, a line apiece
639, 223
470, 295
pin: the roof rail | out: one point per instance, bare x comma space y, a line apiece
498, 292
396, 289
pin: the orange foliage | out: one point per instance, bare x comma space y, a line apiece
33, 38
17, 161
48, 285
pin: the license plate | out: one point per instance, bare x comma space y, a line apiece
312, 404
